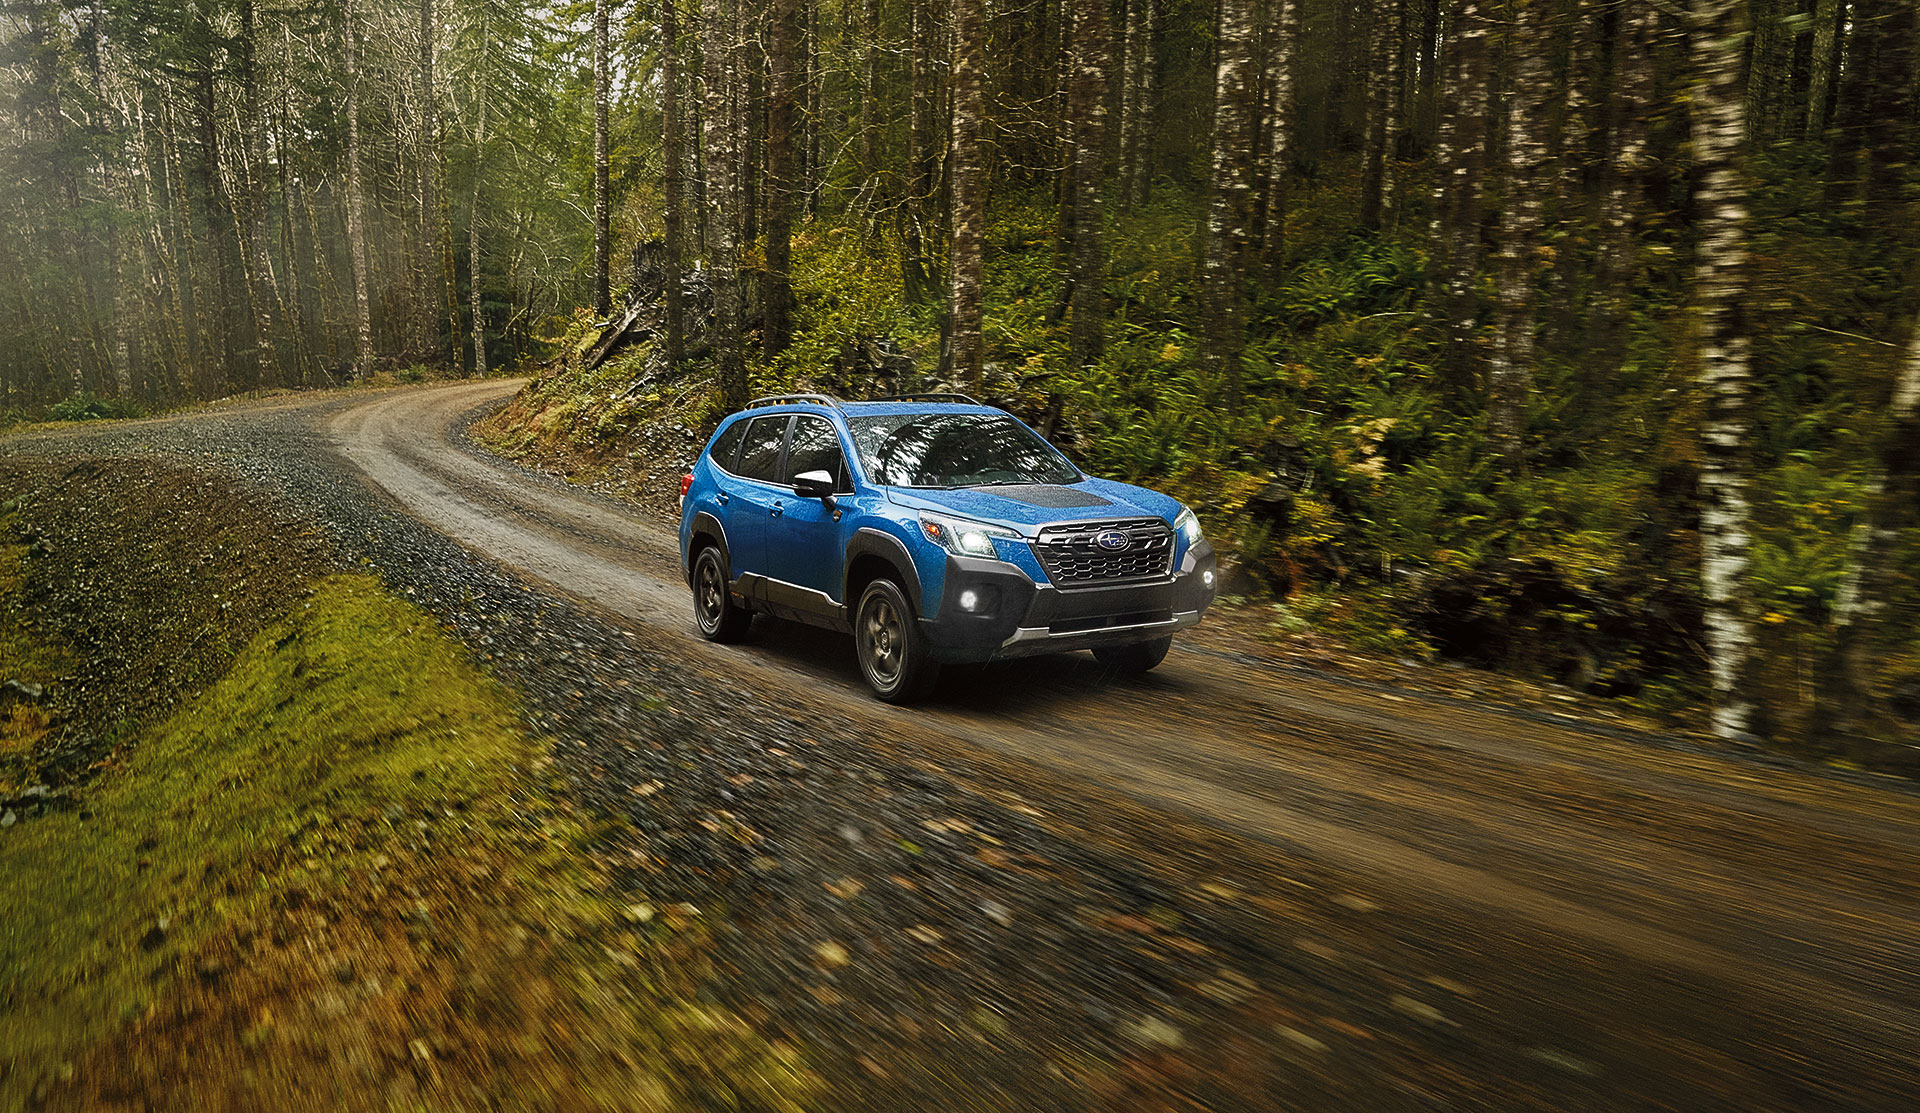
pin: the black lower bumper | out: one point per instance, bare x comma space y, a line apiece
990, 609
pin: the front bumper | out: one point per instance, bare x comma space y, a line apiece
990, 609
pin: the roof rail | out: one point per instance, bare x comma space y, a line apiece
938, 396
783, 399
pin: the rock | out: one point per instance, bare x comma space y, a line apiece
831, 954
8, 819
997, 912
25, 689
1419, 1010
1300, 1039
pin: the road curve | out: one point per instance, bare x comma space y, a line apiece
1797, 891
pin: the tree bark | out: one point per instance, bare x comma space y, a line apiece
1087, 116
1617, 262
964, 341
916, 217
356, 200
1829, 36
1376, 183
432, 233
476, 306
260, 285
602, 231
783, 35
672, 180
719, 25
1510, 370
1283, 28
1458, 204
1230, 212
1720, 276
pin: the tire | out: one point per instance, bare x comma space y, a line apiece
893, 655
1136, 658
720, 619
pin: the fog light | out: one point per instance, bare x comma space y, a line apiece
969, 600
1207, 577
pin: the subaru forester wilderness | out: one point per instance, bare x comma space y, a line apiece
933, 529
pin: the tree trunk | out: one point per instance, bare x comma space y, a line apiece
964, 341
783, 40
672, 179
1283, 29
1510, 371
916, 217
432, 234
1458, 204
1087, 116
1376, 183
356, 201
476, 307
869, 98
1614, 269
1829, 35
602, 232
1720, 270
1134, 58
719, 21
260, 283
1230, 212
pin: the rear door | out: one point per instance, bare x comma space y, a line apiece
747, 493
804, 545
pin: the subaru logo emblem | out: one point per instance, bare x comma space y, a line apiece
1112, 540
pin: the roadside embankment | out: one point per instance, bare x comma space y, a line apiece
272, 834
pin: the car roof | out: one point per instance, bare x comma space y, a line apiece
871, 409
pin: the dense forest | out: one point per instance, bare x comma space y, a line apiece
1577, 337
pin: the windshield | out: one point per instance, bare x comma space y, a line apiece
956, 450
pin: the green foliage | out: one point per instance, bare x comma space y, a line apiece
83, 406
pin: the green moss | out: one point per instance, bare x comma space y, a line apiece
352, 705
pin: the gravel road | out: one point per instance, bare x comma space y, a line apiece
1233, 884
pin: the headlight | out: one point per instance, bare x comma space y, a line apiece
1188, 525
957, 535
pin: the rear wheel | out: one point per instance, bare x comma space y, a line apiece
893, 655
720, 619
1134, 659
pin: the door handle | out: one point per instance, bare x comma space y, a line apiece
722, 498
777, 510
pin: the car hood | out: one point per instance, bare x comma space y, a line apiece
1025, 508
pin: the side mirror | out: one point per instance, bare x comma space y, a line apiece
814, 485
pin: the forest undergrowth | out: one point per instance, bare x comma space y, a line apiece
1355, 487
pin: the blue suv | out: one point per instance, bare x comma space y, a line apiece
933, 529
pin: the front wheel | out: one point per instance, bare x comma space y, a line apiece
1136, 658
720, 619
893, 655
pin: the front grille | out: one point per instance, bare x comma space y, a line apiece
1073, 556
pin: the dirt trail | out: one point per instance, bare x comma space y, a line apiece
1703, 931
1572, 832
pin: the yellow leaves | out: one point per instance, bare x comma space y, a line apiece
1773, 618
1170, 353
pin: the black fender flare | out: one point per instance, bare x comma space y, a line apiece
708, 526
868, 541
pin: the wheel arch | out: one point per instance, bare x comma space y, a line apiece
873, 554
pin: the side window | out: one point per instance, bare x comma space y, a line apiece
728, 446
816, 447
760, 452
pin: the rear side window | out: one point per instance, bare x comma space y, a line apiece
816, 447
760, 452
728, 446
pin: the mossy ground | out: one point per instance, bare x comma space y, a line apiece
337, 877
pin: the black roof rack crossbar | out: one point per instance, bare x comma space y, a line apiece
784, 399
947, 396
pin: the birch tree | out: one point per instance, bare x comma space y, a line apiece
356, 197
1725, 353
